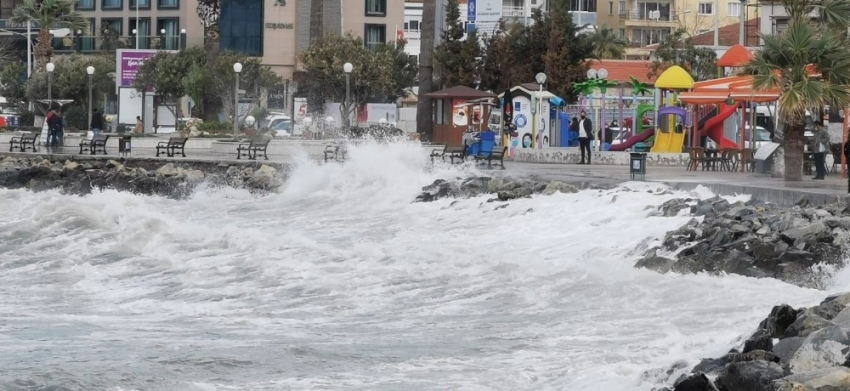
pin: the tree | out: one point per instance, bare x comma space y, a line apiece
209, 11
424, 108
187, 73
384, 73
607, 44
48, 14
70, 81
678, 49
457, 58
814, 42
13, 84
492, 65
566, 52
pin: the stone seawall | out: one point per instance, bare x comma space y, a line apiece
573, 156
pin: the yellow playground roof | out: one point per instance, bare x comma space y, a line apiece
675, 78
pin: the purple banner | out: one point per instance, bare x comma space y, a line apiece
130, 64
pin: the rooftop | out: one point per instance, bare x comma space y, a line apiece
622, 70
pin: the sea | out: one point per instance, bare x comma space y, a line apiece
340, 282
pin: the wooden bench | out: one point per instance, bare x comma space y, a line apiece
96, 143
496, 154
251, 149
335, 152
449, 152
172, 145
27, 140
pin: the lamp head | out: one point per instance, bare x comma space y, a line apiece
250, 120
348, 67
602, 73
162, 31
237, 67
50, 67
541, 78
329, 119
182, 31
90, 70
307, 121
591, 73
135, 31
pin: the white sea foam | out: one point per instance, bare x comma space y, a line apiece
341, 282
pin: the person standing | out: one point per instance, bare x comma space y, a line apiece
140, 126
96, 122
585, 136
53, 124
821, 146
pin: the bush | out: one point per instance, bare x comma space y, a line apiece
76, 117
215, 129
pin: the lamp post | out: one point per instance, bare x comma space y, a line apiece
136, 38
602, 74
90, 71
348, 68
329, 122
50, 67
162, 39
182, 39
307, 121
237, 68
540, 78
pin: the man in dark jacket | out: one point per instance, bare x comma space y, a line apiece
96, 122
53, 125
585, 136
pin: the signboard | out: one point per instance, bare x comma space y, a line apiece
127, 65
299, 111
484, 14
470, 10
765, 151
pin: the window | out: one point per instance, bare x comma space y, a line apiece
415, 58
644, 37
412, 25
241, 27
706, 9
622, 33
171, 39
439, 113
112, 26
622, 7
87, 41
85, 5
733, 9
143, 30
143, 4
375, 35
647, 11
376, 7
610, 8
168, 4
583, 5
112, 5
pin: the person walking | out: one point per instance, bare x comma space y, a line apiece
585, 136
96, 122
821, 146
53, 121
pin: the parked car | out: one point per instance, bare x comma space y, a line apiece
762, 135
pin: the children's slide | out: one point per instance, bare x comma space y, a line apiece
714, 127
631, 141
668, 142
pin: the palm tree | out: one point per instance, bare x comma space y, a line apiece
816, 37
608, 45
48, 14
424, 109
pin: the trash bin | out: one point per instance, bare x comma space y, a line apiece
640, 147
125, 145
637, 164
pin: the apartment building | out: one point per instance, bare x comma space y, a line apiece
646, 23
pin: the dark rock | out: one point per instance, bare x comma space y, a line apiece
805, 324
695, 382
656, 263
761, 340
786, 347
830, 307
781, 316
507, 195
749, 376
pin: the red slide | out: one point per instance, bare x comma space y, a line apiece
714, 127
633, 140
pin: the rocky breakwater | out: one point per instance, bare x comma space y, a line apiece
803, 349
175, 180
504, 189
800, 245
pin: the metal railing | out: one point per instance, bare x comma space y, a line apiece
649, 16
90, 44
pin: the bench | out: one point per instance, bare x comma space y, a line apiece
172, 145
251, 149
27, 140
96, 143
496, 154
449, 152
335, 152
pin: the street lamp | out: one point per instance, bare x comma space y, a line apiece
90, 71
540, 78
136, 37
237, 68
307, 121
348, 68
182, 39
50, 67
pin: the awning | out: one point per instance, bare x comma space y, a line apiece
557, 101
755, 96
703, 97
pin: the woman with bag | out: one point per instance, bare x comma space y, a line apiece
821, 146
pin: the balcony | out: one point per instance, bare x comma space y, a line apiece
90, 44
513, 12
649, 18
